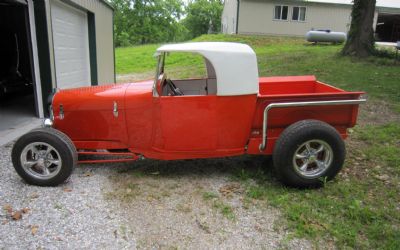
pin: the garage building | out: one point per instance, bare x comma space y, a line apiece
48, 44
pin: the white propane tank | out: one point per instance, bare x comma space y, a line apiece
325, 36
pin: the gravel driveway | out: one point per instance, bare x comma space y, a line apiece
146, 205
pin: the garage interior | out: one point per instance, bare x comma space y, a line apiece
388, 27
17, 99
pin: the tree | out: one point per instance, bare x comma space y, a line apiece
121, 22
202, 13
147, 21
360, 41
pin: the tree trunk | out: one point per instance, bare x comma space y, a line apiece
360, 41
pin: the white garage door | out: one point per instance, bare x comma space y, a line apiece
71, 46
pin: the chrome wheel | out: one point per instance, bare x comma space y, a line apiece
41, 160
312, 158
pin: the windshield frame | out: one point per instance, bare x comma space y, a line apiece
159, 71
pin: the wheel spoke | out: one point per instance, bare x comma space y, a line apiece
301, 156
53, 161
35, 151
304, 166
46, 171
30, 164
320, 164
48, 150
308, 147
320, 149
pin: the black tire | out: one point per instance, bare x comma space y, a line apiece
298, 145
61, 150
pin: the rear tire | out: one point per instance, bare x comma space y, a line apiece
308, 153
44, 157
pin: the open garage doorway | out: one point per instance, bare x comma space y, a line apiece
17, 90
388, 27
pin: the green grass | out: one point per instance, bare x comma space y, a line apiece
209, 195
141, 59
135, 59
361, 208
225, 209
383, 144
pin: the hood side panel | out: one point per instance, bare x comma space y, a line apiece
90, 98
89, 113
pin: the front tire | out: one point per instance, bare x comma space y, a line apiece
308, 153
44, 157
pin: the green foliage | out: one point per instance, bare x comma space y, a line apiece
159, 21
147, 21
122, 39
386, 53
202, 13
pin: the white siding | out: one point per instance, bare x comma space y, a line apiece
256, 17
228, 19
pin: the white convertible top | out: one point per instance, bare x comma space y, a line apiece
235, 64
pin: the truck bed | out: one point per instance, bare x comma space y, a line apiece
300, 89
290, 86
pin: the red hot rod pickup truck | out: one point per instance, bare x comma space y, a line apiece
301, 122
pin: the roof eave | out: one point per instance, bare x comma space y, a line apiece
108, 4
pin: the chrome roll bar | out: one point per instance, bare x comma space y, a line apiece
299, 104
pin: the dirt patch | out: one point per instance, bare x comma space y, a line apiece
377, 112
373, 113
197, 204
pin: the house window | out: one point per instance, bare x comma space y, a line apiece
299, 14
281, 12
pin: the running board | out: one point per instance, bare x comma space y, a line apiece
112, 157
